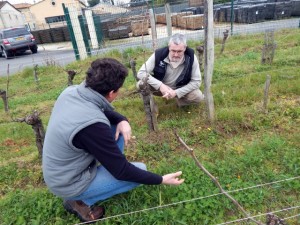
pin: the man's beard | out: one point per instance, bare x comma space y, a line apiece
173, 59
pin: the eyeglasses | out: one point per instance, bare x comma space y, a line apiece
178, 52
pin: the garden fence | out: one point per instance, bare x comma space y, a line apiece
124, 26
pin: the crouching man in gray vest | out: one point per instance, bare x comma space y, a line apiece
83, 160
174, 72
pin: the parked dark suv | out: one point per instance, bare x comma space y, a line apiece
13, 40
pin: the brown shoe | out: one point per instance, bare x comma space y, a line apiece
83, 211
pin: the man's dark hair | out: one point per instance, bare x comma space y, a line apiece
106, 75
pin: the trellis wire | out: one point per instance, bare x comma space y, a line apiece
191, 200
290, 217
262, 214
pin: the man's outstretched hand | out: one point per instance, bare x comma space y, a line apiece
124, 128
172, 178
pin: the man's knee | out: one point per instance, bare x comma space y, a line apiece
194, 97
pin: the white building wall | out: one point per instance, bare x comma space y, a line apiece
1, 23
10, 17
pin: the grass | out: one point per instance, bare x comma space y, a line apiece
245, 147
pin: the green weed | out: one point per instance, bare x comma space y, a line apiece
245, 148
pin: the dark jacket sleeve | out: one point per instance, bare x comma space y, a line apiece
114, 117
98, 140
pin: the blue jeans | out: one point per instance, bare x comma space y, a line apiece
104, 184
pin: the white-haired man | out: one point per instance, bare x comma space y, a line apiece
175, 72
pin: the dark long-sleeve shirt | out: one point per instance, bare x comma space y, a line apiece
98, 140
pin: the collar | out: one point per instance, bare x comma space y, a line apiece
94, 97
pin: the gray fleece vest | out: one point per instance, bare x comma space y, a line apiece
68, 170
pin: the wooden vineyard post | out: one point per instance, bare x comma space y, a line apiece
153, 29
209, 59
168, 19
269, 47
266, 93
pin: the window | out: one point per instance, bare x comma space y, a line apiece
15, 32
55, 19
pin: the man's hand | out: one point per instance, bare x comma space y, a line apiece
124, 128
172, 179
167, 92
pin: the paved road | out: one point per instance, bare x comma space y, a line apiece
43, 57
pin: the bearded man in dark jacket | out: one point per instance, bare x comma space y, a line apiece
174, 72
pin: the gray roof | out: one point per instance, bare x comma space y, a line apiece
6, 2
2, 4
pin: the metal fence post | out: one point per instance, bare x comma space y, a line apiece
84, 34
92, 30
72, 36
98, 28
231, 17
